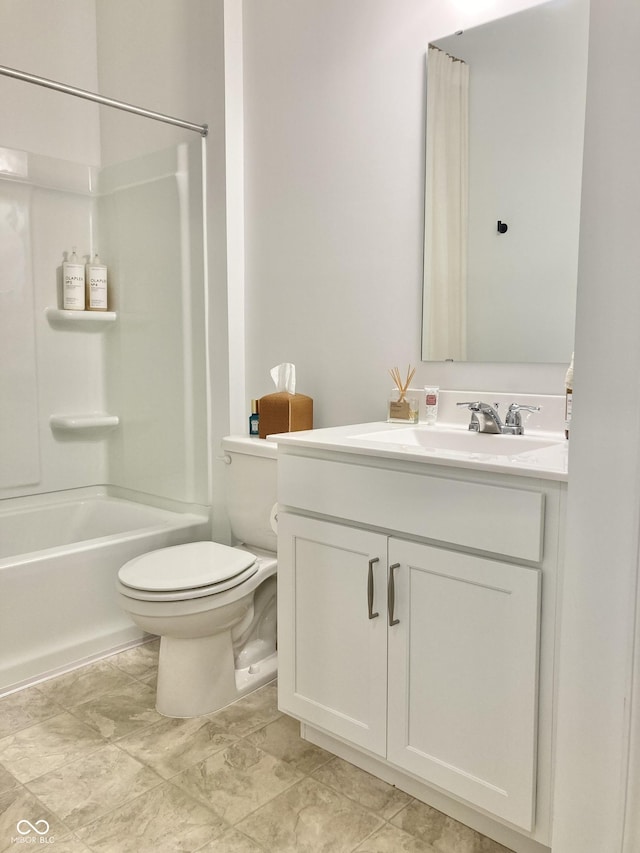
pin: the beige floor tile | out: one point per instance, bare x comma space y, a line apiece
237, 780
7, 781
120, 712
366, 790
151, 678
251, 712
70, 844
24, 708
233, 842
140, 661
310, 818
84, 790
89, 744
390, 839
164, 820
46, 746
83, 684
281, 738
19, 805
445, 834
171, 746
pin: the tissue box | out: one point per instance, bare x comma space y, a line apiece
284, 412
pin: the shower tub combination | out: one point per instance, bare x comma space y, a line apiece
59, 558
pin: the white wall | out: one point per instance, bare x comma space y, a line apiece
334, 129
54, 39
601, 573
149, 55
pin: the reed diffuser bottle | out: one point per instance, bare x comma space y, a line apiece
403, 406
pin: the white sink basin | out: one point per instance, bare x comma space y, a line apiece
461, 441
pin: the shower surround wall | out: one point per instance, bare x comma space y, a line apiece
147, 367
150, 215
142, 367
45, 208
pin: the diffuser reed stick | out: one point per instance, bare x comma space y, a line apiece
402, 385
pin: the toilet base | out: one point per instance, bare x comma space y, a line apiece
197, 676
251, 677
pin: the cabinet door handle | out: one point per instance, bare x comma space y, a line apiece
372, 615
391, 594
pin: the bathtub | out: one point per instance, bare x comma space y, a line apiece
59, 557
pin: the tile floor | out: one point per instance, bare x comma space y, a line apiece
87, 753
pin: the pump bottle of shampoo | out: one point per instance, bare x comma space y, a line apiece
96, 285
73, 284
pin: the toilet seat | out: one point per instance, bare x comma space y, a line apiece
182, 572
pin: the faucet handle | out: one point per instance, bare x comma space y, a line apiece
479, 406
518, 407
513, 413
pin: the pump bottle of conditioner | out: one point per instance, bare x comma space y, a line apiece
73, 283
96, 285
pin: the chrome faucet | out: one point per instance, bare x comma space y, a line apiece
485, 418
513, 423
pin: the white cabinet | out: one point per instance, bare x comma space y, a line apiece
454, 700
426, 657
332, 650
462, 677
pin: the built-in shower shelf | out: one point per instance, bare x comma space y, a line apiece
86, 321
91, 424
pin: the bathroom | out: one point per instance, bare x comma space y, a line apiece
328, 246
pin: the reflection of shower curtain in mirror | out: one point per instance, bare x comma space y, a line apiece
446, 205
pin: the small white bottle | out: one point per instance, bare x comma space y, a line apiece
96, 285
431, 396
568, 404
73, 284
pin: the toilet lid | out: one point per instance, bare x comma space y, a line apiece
182, 567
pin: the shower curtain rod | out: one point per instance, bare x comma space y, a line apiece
202, 129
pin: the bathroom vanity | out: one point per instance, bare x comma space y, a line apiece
418, 581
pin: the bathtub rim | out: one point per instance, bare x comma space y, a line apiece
186, 515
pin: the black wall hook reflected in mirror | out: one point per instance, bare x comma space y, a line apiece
502, 227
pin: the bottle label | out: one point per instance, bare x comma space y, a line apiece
97, 288
431, 399
73, 286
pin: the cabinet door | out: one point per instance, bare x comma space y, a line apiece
463, 663
332, 649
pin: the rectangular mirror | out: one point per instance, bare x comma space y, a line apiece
505, 129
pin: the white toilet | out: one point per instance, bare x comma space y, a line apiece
214, 606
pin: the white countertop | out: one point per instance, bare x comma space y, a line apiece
540, 454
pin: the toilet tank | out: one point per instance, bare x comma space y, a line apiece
251, 490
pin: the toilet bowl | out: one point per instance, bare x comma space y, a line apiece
213, 605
